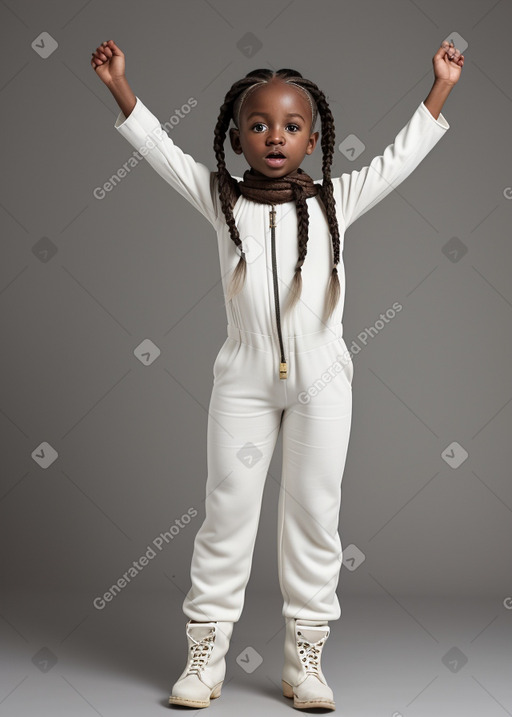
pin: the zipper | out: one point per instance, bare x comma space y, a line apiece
283, 368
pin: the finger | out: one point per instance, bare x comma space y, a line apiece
441, 52
111, 45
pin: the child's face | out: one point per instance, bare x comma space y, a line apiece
274, 116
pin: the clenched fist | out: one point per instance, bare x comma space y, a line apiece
108, 62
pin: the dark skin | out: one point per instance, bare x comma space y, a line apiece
292, 135
266, 122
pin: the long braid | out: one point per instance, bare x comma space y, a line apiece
227, 184
302, 238
326, 190
226, 181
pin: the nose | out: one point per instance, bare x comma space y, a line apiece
275, 137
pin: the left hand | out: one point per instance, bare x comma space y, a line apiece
448, 63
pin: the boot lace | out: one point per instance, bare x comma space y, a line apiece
310, 655
201, 651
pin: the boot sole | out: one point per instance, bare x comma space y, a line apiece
187, 702
305, 704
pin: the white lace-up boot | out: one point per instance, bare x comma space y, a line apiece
205, 670
303, 678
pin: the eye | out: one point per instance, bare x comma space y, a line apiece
295, 127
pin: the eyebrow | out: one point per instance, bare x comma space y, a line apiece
264, 114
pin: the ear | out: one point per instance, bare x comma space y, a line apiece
234, 137
312, 142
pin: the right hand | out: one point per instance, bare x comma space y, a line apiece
108, 62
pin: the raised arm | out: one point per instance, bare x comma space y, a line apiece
358, 191
142, 129
108, 61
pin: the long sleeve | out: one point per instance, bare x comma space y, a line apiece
190, 178
358, 191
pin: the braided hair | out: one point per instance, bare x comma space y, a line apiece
228, 185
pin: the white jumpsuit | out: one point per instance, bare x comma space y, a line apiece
250, 402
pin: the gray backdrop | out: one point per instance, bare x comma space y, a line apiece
102, 454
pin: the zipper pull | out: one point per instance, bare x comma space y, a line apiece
283, 370
272, 217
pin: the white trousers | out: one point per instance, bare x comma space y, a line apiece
249, 405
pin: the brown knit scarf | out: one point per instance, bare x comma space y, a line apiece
296, 185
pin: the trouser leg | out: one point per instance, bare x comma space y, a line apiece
315, 444
242, 433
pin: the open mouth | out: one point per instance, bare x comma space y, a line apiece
275, 158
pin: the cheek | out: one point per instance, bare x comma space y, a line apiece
252, 143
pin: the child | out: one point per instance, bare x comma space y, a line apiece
284, 361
